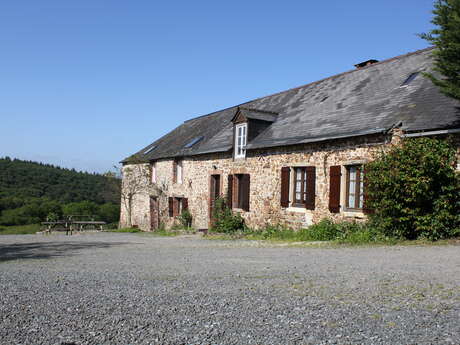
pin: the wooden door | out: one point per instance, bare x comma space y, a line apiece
154, 213
214, 191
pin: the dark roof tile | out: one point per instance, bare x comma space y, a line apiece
362, 101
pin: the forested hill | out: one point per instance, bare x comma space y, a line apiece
31, 192
24, 179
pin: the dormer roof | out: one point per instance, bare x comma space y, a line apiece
246, 114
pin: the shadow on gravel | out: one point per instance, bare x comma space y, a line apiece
48, 250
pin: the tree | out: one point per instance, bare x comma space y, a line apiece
414, 190
446, 38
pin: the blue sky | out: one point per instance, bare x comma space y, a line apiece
86, 83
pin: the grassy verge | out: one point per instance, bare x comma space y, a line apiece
328, 233
164, 233
19, 229
131, 230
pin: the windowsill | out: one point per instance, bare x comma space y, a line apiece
238, 209
297, 209
354, 213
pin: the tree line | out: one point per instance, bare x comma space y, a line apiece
32, 192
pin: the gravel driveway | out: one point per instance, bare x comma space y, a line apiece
106, 288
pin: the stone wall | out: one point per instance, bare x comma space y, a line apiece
264, 167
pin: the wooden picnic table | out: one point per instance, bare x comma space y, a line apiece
70, 225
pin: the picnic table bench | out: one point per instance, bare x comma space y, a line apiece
72, 223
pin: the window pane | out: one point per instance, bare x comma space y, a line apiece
352, 173
352, 187
298, 186
351, 200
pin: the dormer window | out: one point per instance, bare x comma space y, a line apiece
241, 134
248, 124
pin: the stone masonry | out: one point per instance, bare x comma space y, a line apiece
264, 168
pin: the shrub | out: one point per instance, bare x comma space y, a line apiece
185, 219
276, 232
415, 191
325, 230
225, 220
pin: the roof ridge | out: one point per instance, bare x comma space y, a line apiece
317, 81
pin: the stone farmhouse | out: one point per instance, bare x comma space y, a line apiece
291, 158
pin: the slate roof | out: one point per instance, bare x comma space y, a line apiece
358, 102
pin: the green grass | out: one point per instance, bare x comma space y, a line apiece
131, 230
163, 233
147, 233
19, 229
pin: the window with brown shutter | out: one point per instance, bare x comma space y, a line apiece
245, 191
285, 186
334, 188
184, 204
310, 188
240, 191
171, 206
230, 192
304, 187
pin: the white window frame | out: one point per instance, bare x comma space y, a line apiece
241, 138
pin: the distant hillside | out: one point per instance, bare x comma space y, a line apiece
24, 179
29, 191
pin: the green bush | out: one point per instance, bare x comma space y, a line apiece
414, 190
185, 219
325, 230
275, 232
225, 220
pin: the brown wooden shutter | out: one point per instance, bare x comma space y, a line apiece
230, 192
285, 182
174, 171
311, 188
366, 209
245, 188
334, 188
184, 204
171, 206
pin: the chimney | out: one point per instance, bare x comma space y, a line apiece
366, 63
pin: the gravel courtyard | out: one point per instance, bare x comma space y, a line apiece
106, 288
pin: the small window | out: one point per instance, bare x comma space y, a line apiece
177, 205
304, 187
410, 78
355, 187
194, 142
150, 149
239, 191
240, 140
153, 172
300, 186
178, 171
